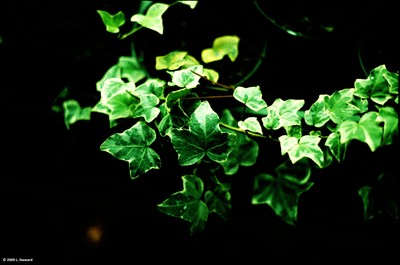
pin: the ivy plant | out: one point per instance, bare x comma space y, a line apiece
212, 143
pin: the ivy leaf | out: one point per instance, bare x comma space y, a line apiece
153, 86
283, 114
337, 148
73, 112
186, 78
218, 201
307, 146
112, 22
203, 138
250, 124
367, 130
224, 45
147, 108
251, 97
153, 18
171, 61
378, 86
282, 192
340, 106
187, 204
389, 116
245, 152
133, 146
191, 4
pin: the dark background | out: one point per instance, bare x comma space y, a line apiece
56, 185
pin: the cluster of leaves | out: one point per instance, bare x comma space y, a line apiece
214, 144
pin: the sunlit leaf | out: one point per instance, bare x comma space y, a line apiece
133, 146
203, 138
224, 45
281, 192
186, 78
283, 113
378, 86
307, 146
171, 61
153, 18
187, 204
112, 22
251, 97
250, 124
191, 4
367, 130
337, 148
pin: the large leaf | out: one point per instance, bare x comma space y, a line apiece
281, 192
153, 18
187, 204
251, 97
379, 86
112, 22
203, 138
367, 130
246, 149
133, 146
224, 45
283, 113
307, 146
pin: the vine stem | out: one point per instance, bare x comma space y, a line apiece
251, 134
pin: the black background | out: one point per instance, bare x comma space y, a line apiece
56, 184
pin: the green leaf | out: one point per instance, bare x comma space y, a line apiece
73, 112
112, 22
282, 192
251, 97
283, 114
191, 4
147, 108
218, 201
245, 152
133, 146
367, 130
307, 146
152, 86
187, 204
224, 45
378, 86
153, 18
203, 138
390, 118
340, 106
250, 124
186, 78
171, 61
337, 148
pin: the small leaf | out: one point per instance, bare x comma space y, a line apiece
389, 116
307, 146
153, 18
191, 4
112, 22
133, 146
378, 86
251, 97
73, 112
283, 114
171, 61
203, 138
337, 148
367, 130
187, 204
218, 201
224, 45
250, 124
186, 78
